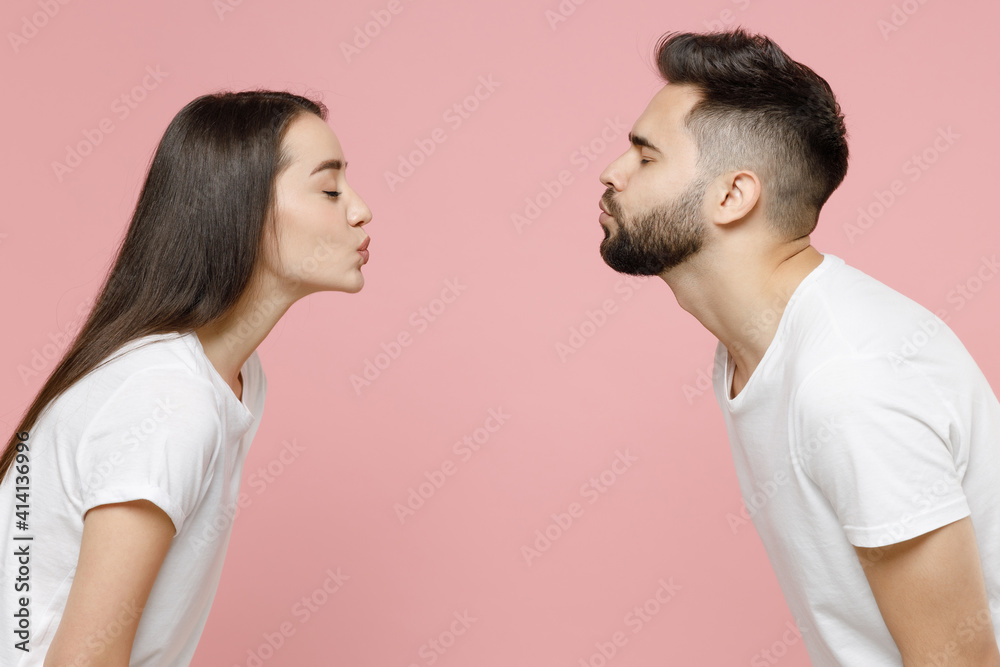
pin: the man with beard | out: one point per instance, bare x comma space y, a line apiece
861, 412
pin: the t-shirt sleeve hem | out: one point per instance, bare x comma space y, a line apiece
901, 531
151, 493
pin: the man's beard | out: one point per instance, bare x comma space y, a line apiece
657, 240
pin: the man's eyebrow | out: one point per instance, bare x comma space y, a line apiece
642, 141
329, 164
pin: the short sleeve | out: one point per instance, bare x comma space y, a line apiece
155, 438
874, 436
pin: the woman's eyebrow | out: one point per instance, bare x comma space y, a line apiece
329, 164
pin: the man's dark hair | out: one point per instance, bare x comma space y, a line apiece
762, 111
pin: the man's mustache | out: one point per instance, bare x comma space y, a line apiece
610, 204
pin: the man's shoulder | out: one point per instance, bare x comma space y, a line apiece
853, 319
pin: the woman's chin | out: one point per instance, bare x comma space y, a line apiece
352, 287
351, 283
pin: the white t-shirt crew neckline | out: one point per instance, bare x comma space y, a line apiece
737, 401
241, 402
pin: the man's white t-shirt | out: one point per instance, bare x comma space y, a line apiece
157, 422
866, 423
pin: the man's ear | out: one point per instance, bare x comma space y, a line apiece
733, 196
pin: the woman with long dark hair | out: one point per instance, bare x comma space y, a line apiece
119, 485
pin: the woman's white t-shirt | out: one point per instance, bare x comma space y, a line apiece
156, 422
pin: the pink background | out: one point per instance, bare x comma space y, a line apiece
632, 387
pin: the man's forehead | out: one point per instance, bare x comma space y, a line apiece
665, 113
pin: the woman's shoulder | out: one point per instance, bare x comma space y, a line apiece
162, 367
165, 353
151, 378
154, 363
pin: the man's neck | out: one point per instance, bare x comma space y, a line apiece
740, 297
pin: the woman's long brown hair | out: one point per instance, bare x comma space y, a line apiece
195, 236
